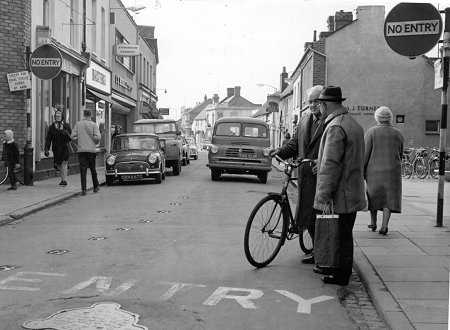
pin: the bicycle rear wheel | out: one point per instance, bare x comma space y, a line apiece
3, 172
434, 168
265, 232
306, 241
420, 168
406, 170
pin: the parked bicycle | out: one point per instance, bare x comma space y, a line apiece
415, 166
271, 223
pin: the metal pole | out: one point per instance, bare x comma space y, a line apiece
28, 150
443, 130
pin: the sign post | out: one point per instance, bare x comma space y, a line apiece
412, 29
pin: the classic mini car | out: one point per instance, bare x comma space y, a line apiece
240, 146
206, 144
135, 156
186, 152
168, 132
193, 147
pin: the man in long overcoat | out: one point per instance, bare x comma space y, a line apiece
305, 144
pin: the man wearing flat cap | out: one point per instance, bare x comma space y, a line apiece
340, 176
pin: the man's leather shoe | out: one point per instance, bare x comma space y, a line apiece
308, 260
322, 271
96, 189
332, 279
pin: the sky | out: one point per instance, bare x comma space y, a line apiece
207, 46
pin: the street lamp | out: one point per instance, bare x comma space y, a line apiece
162, 89
134, 9
262, 85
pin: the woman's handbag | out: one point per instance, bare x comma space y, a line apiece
327, 238
72, 147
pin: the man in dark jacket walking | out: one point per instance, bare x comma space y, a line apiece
305, 144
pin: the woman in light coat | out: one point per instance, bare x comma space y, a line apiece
382, 168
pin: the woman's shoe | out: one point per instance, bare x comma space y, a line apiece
383, 231
373, 227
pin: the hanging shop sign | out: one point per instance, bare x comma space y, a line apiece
126, 50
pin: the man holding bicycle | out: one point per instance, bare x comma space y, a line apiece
305, 144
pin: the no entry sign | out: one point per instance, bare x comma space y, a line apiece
46, 62
412, 29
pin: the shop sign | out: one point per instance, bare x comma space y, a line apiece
438, 77
123, 83
145, 97
357, 110
46, 62
99, 78
126, 50
164, 111
19, 81
412, 29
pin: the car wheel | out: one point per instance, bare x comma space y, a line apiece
195, 157
159, 178
163, 174
263, 177
176, 167
215, 175
109, 180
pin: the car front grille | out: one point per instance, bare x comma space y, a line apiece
131, 166
240, 152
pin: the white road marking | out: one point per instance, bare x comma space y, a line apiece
17, 277
177, 286
244, 301
304, 306
102, 284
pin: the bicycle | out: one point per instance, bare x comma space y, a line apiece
271, 223
416, 165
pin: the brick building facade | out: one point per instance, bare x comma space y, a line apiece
15, 37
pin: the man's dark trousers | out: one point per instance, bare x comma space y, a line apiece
87, 160
346, 221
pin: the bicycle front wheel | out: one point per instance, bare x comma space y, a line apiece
3, 172
306, 241
265, 232
434, 168
407, 170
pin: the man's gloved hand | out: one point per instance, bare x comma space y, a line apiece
46, 153
274, 152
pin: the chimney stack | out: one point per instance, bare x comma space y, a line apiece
330, 23
315, 35
230, 92
342, 18
216, 98
237, 91
283, 83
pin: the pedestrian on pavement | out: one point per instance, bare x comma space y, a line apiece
10, 157
382, 168
340, 176
117, 130
305, 144
287, 137
87, 134
58, 137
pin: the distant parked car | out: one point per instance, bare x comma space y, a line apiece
135, 157
240, 146
186, 154
193, 147
206, 144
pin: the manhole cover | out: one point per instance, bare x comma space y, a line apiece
163, 211
98, 316
124, 229
58, 251
174, 203
6, 268
145, 221
96, 238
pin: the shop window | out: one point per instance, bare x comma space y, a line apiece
432, 126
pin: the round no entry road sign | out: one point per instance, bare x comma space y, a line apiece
46, 62
412, 29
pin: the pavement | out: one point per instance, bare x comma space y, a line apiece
405, 272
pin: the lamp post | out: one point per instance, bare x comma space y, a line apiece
262, 85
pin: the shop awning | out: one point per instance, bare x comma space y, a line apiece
100, 96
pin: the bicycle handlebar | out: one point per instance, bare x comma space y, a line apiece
296, 163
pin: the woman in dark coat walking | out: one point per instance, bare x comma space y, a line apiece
58, 136
382, 165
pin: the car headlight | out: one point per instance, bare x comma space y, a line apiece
266, 152
214, 149
152, 158
111, 160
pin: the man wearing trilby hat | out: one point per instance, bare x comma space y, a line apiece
340, 177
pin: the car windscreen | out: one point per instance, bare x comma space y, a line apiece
157, 128
254, 130
228, 129
124, 143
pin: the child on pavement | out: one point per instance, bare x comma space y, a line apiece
10, 157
